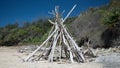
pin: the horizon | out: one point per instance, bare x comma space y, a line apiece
21, 11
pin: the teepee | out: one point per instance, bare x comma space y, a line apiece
60, 41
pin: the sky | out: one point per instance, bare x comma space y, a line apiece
12, 11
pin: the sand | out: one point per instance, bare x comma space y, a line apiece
11, 58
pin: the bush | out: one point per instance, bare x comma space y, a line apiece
111, 17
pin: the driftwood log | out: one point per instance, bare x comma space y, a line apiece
59, 40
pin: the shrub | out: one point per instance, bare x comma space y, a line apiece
111, 17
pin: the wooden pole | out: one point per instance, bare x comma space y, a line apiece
69, 49
30, 55
69, 13
82, 57
53, 47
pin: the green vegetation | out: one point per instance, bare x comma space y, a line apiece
13, 34
111, 17
30, 33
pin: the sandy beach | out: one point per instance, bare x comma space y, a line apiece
11, 58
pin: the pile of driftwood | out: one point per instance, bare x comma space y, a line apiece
59, 40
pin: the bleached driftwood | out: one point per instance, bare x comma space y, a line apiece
61, 38
39, 47
69, 13
69, 49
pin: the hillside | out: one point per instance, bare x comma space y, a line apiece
91, 24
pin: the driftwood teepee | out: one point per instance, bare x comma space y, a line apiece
59, 40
